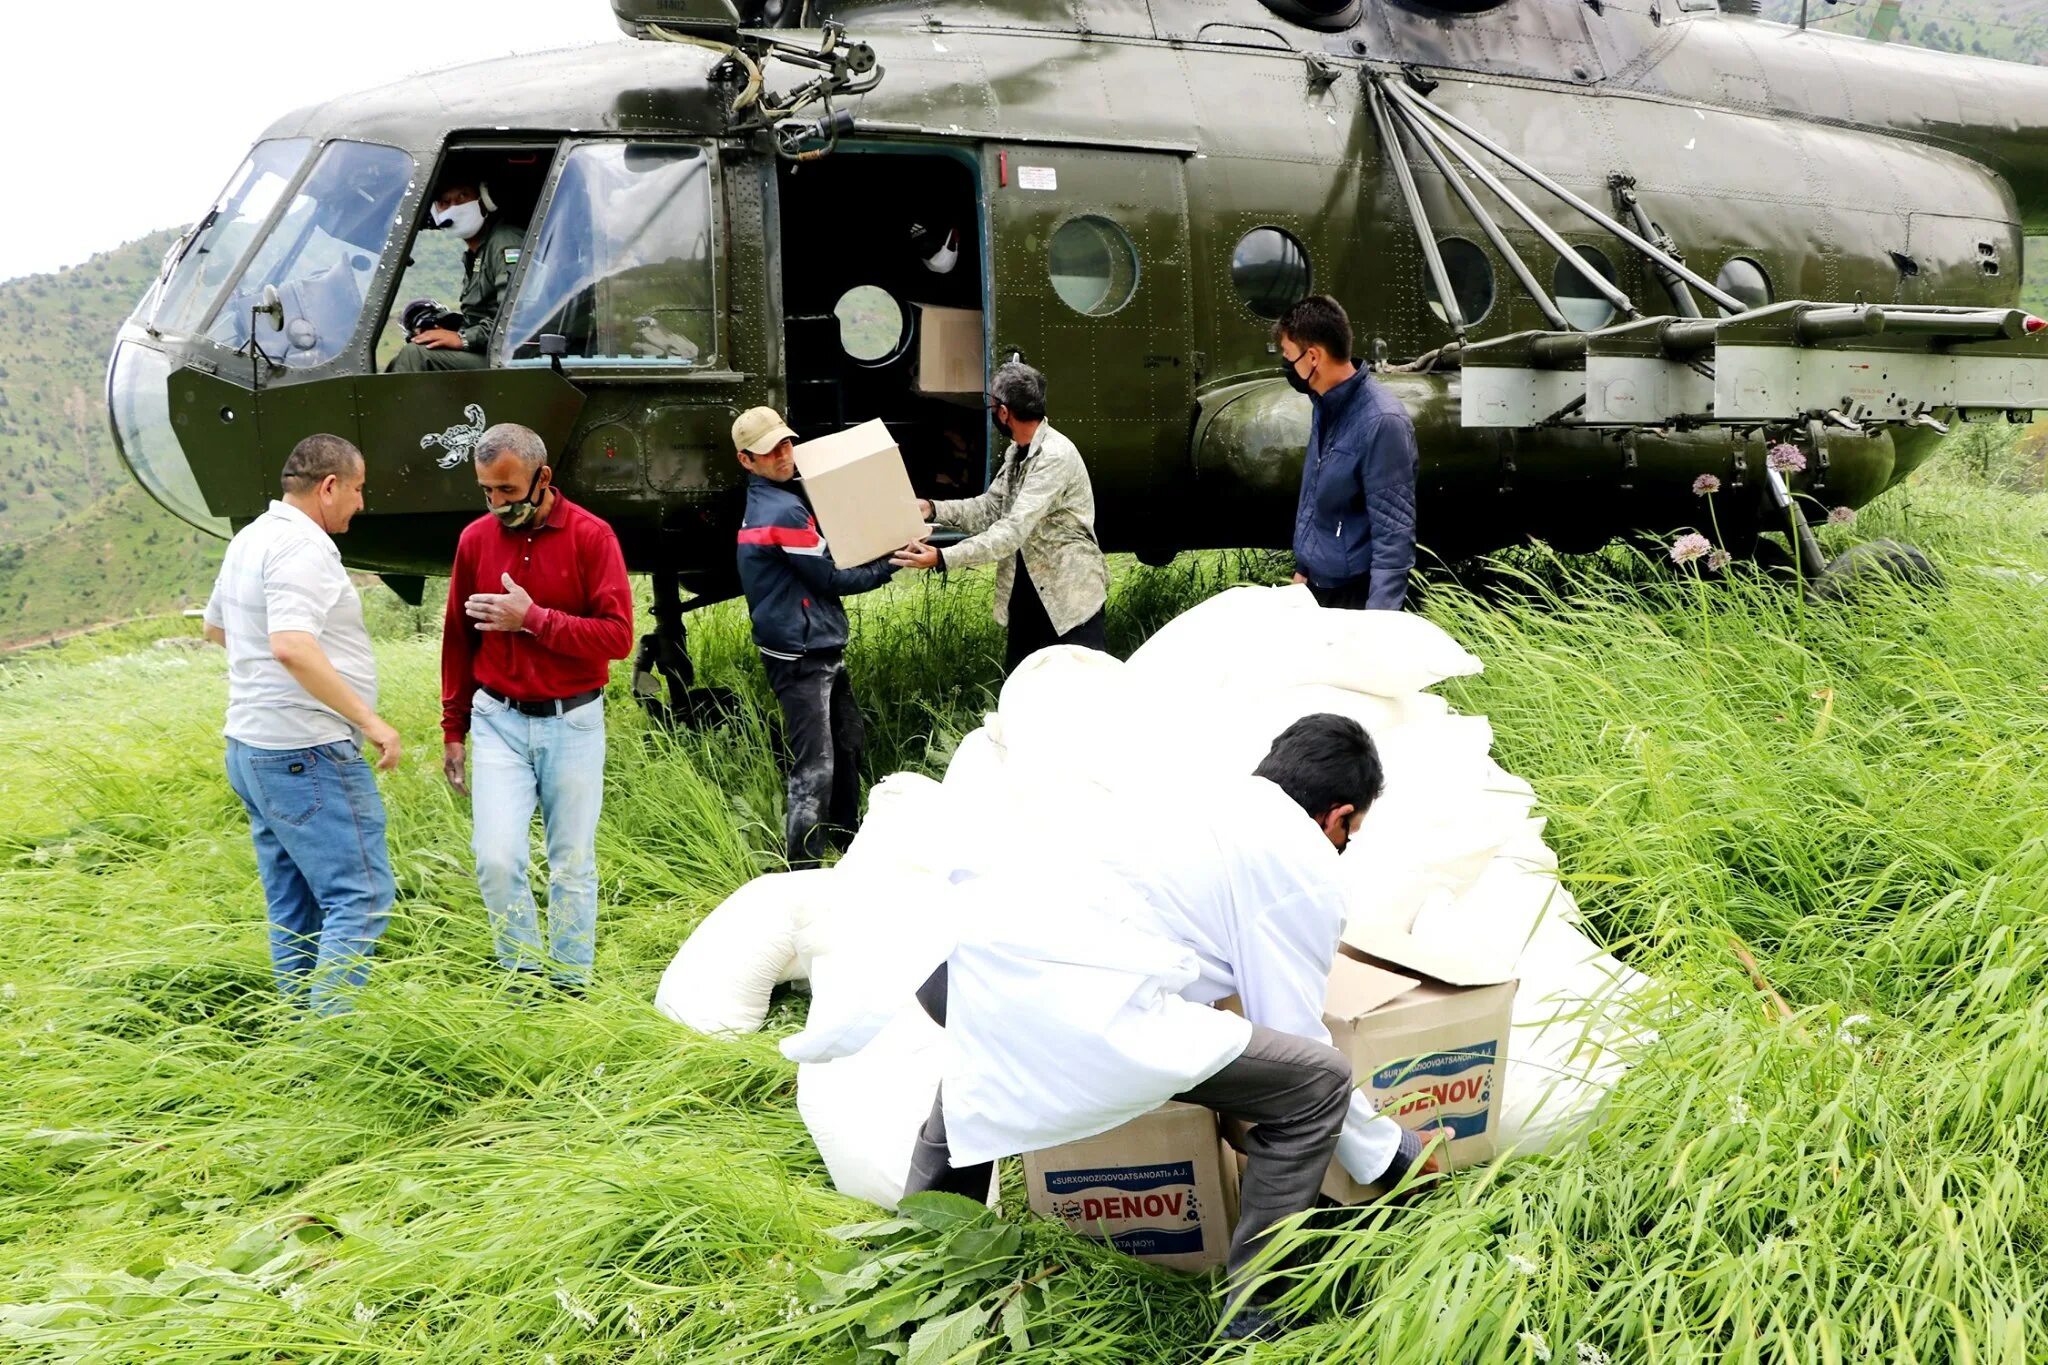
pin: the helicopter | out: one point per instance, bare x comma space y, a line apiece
1598, 248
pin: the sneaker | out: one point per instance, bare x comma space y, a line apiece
1252, 1324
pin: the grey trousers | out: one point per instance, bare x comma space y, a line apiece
1294, 1092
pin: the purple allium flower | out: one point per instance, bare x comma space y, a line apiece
1786, 458
1842, 516
1687, 548
1705, 484
1719, 560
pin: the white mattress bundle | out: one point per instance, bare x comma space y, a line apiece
1449, 875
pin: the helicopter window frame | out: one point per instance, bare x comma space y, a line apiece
1571, 290
896, 348
1117, 235
194, 308
221, 312
712, 361
1435, 307
1721, 281
1245, 296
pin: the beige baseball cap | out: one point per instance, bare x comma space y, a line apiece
760, 430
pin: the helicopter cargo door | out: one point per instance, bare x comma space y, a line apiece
1089, 267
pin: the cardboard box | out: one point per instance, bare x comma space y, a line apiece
860, 491
950, 356
1162, 1187
1427, 1053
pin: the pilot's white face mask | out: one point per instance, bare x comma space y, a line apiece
464, 220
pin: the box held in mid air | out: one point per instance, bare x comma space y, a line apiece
1162, 1187
860, 491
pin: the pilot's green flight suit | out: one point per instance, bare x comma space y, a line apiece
485, 273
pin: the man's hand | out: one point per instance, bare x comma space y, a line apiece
438, 339
453, 765
924, 508
378, 731
1301, 580
499, 610
916, 555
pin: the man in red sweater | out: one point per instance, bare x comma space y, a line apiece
538, 607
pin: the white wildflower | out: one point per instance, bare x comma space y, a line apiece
1521, 1265
364, 1314
295, 1296
728, 1307
1539, 1349
1738, 1110
1589, 1354
633, 1323
792, 1309
1846, 1035
548, 1358
597, 1072
569, 1304
7, 992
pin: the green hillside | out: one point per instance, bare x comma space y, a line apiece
2016, 30
79, 541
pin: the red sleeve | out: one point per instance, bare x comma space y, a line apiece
458, 645
606, 632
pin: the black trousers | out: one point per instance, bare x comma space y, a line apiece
1350, 594
824, 734
1031, 629
1295, 1094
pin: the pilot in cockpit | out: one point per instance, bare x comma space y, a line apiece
450, 341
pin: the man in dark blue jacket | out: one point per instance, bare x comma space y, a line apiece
1354, 528
793, 591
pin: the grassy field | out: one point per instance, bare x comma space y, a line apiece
1854, 793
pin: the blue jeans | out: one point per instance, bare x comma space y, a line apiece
556, 762
318, 825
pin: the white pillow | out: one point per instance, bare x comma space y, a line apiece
720, 978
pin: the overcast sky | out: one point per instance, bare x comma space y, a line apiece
125, 116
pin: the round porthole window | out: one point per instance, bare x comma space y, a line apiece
1583, 305
1471, 280
870, 323
1094, 266
1270, 270
1745, 279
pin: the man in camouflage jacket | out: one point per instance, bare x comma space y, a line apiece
1036, 524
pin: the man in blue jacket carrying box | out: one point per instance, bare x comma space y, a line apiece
1354, 528
793, 590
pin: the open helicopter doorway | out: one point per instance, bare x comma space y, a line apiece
871, 239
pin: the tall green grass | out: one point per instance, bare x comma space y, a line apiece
1852, 793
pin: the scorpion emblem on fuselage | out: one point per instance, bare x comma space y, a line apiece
457, 440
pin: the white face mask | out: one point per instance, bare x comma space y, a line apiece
464, 220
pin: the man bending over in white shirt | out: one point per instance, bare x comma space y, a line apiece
1094, 1007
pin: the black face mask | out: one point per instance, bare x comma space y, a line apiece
1294, 379
1002, 428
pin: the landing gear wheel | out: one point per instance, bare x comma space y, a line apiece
1872, 561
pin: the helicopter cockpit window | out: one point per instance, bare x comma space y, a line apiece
1583, 306
1471, 280
623, 263
320, 253
216, 246
870, 324
1270, 271
1745, 279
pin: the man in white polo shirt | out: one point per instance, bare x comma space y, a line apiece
302, 695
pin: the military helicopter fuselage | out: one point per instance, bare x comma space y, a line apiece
1134, 191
